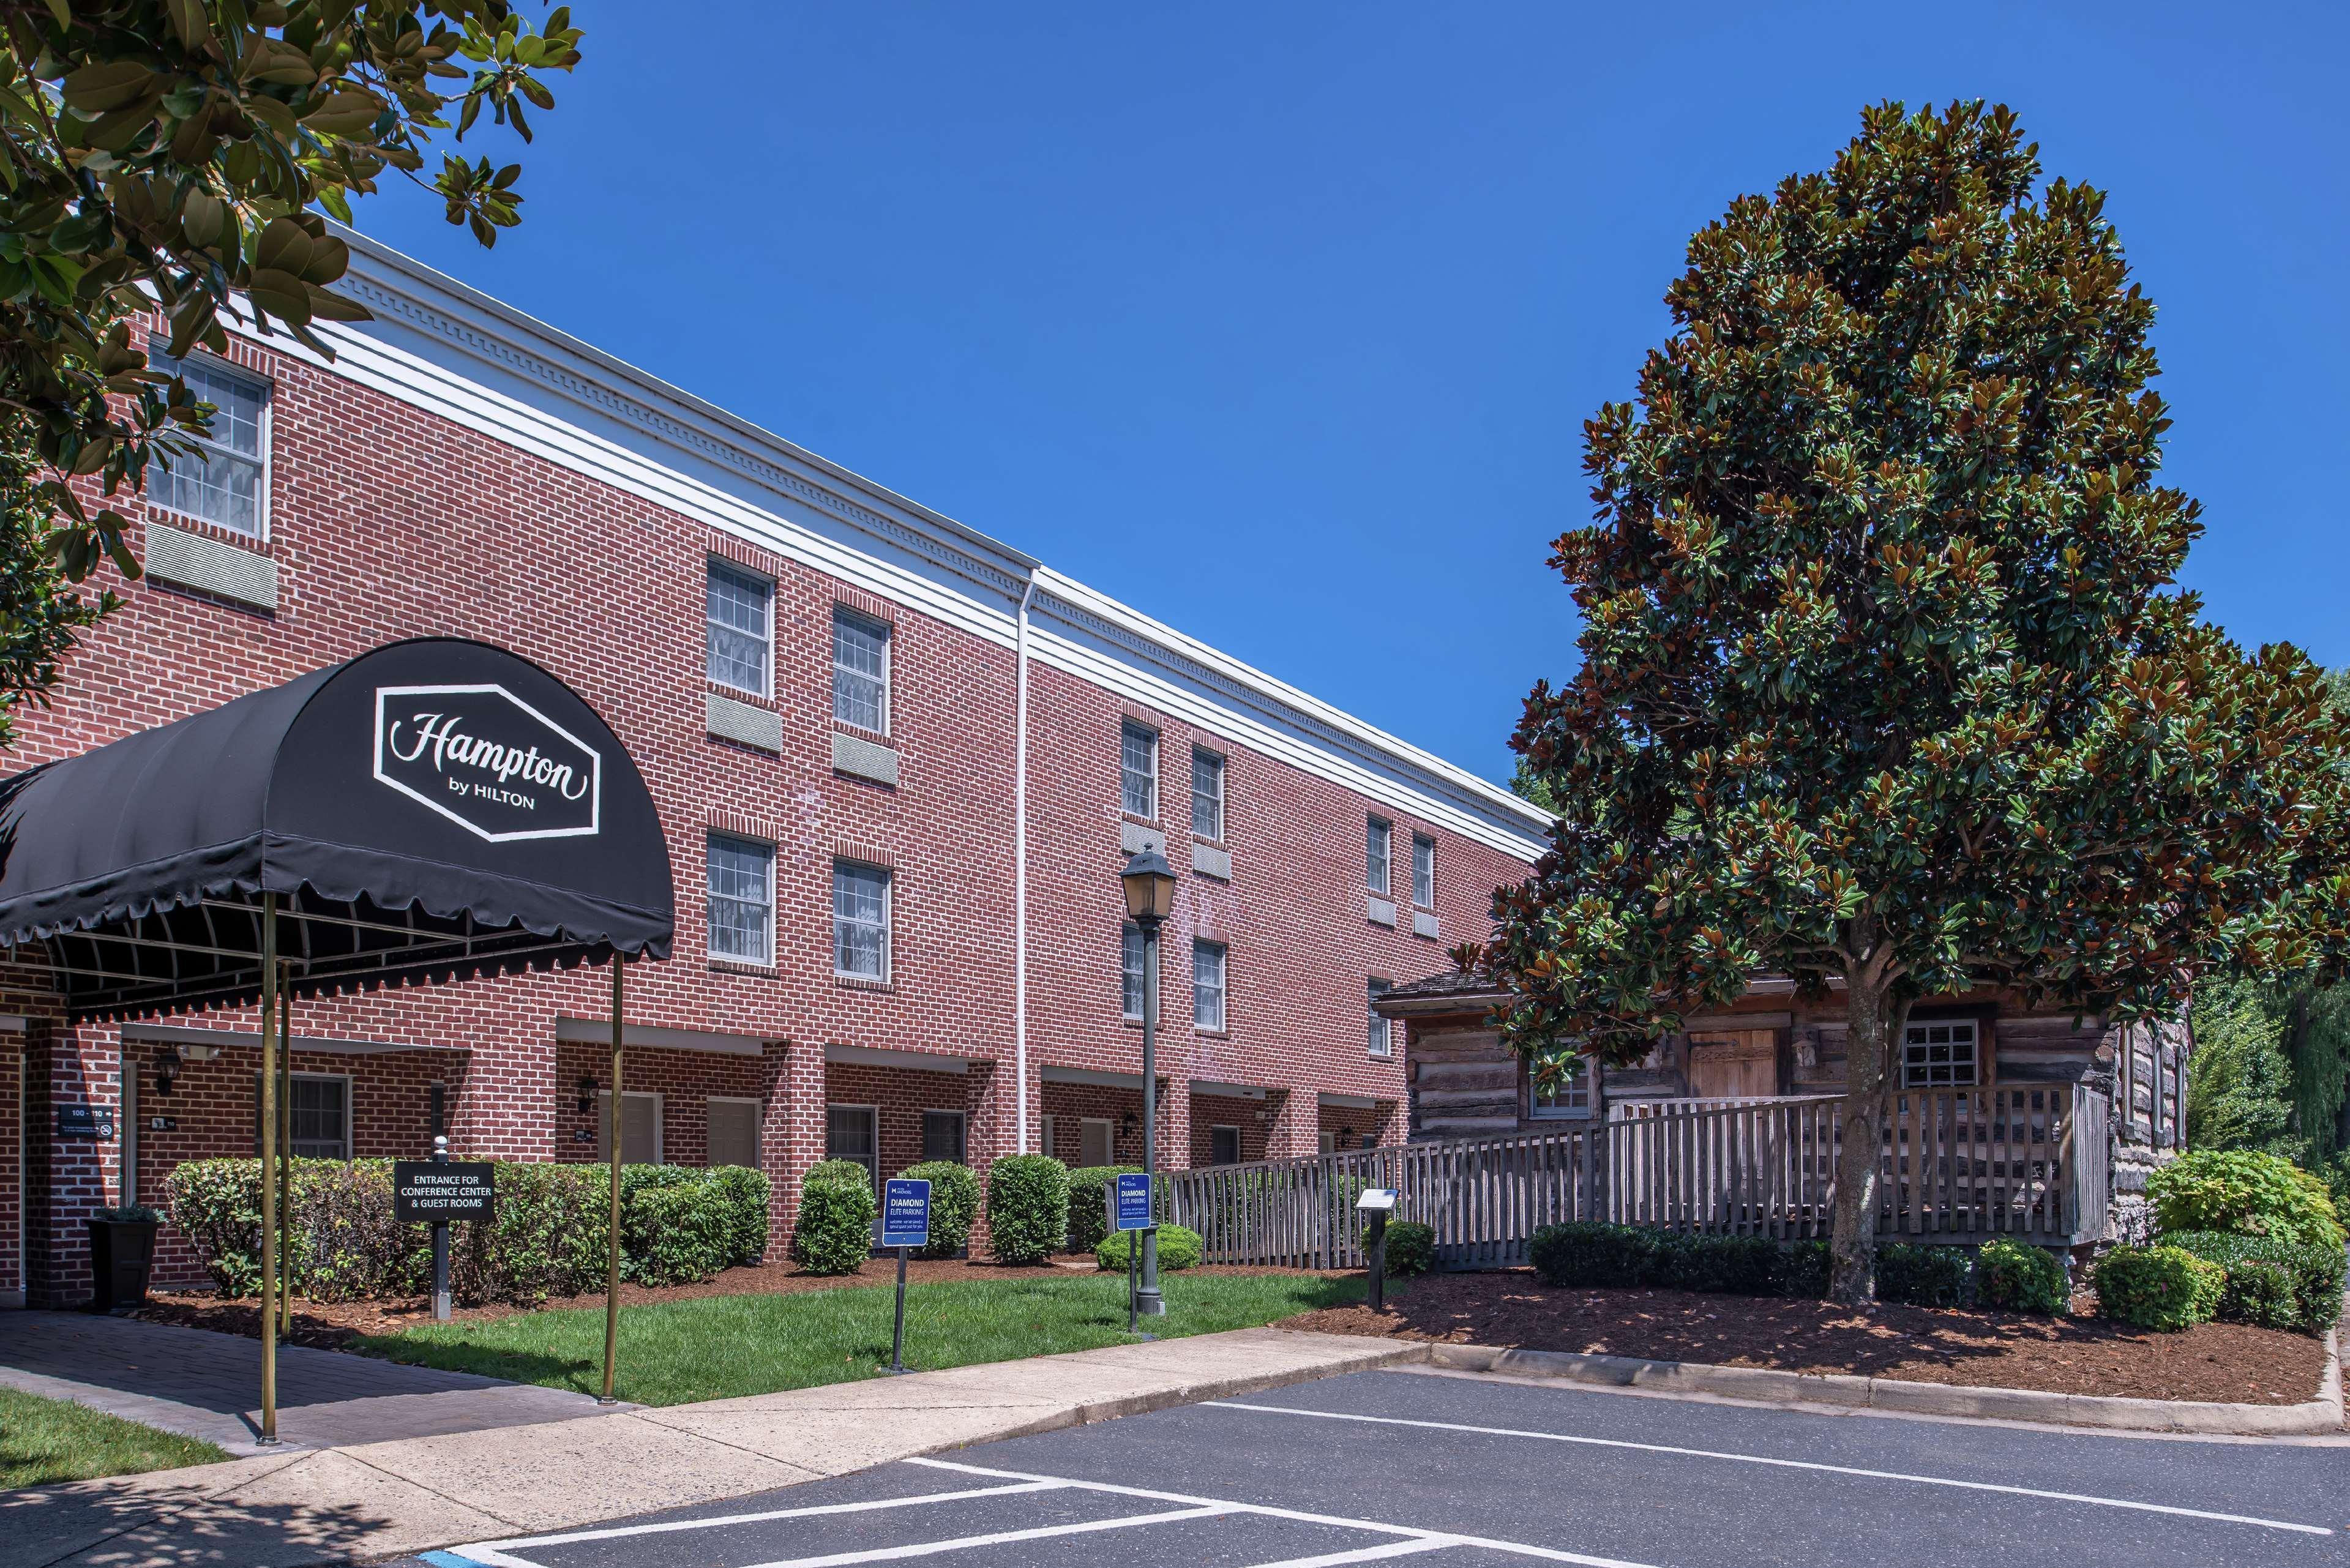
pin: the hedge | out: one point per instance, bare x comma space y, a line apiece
1088, 1203
2162, 1288
1924, 1276
1590, 1252
1409, 1247
838, 1170
954, 1204
834, 1234
2245, 1193
2018, 1278
2313, 1278
548, 1238
1027, 1207
1179, 1248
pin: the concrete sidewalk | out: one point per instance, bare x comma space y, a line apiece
388, 1499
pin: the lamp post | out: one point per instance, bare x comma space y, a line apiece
1149, 886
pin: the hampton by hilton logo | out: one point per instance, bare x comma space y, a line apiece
488, 761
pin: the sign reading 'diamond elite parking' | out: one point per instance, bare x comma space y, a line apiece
1130, 1202
431, 1192
906, 1213
487, 761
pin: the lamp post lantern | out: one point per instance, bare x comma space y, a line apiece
1150, 885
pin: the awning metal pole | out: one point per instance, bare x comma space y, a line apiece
285, 1149
612, 1125
268, 1167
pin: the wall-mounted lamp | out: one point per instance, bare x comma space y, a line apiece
167, 1069
1127, 1123
1346, 1138
587, 1092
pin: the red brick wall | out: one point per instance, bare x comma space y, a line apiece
388, 522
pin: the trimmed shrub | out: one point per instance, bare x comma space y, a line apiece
1804, 1270
672, 1235
2162, 1288
745, 1193
838, 1170
216, 1204
2247, 1193
550, 1236
835, 1233
1590, 1252
1089, 1221
1733, 1265
2017, 1278
2259, 1293
954, 1204
2315, 1275
1027, 1207
1410, 1247
1924, 1276
1179, 1248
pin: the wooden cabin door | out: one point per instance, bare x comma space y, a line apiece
1742, 1065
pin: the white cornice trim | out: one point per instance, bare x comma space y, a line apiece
977, 580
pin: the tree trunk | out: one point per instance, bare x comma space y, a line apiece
1852, 1276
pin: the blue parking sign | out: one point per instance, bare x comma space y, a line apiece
905, 1212
1130, 1202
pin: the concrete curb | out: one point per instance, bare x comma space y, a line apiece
2323, 1414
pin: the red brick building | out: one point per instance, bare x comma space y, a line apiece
898, 764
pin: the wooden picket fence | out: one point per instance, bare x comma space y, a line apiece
1956, 1165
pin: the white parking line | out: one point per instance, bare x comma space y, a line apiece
1434, 1539
1782, 1464
998, 1538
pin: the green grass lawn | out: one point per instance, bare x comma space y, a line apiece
46, 1440
715, 1347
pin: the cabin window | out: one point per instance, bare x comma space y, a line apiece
1568, 1098
1943, 1053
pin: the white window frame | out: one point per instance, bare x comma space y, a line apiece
1201, 755
210, 363
1379, 1037
709, 925
1215, 1127
1129, 935
873, 1124
1575, 1108
887, 635
1137, 727
889, 919
962, 1135
1423, 851
758, 1134
1380, 831
342, 1078
1223, 987
604, 1123
1047, 1124
1925, 1027
718, 565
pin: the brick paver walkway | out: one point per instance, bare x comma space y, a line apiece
208, 1385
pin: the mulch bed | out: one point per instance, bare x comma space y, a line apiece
333, 1326
1513, 1308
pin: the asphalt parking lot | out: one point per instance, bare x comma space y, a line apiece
1461, 1473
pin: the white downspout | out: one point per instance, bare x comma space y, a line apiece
1020, 869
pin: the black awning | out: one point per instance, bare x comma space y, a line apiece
430, 811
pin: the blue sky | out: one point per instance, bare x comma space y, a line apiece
1280, 323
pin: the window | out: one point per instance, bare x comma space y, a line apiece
1568, 1097
861, 671
849, 1135
1208, 984
1423, 871
742, 628
734, 1132
1131, 948
641, 1127
225, 482
1094, 1144
1223, 1145
1050, 1142
741, 900
861, 921
1207, 795
942, 1136
1940, 1054
1375, 854
1137, 770
1382, 1040
1328, 1143
320, 1114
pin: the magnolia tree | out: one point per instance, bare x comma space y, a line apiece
1886, 682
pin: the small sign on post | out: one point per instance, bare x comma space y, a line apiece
1128, 1197
434, 1192
1375, 1205
905, 1225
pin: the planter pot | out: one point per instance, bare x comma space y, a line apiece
122, 1255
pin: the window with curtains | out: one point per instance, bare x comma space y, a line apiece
861, 921
1208, 984
1378, 839
742, 899
860, 670
226, 481
1207, 795
1137, 769
741, 605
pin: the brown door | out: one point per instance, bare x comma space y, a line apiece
1741, 1065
